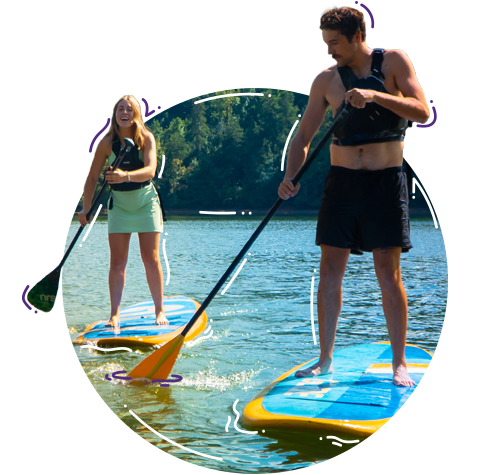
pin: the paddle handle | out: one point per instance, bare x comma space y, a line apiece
125, 149
265, 221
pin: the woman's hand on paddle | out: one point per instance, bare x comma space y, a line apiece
82, 216
287, 189
117, 176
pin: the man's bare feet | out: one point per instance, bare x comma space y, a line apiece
323, 367
161, 319
401, 376
114, 322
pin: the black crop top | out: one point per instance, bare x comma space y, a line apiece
373, 123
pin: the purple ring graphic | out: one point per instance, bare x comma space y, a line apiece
164, 383
148, 112
24, 293
98, 134
370, 14
177, 378
125, 378
433, 122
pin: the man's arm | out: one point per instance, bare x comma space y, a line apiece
411, 106
309, 125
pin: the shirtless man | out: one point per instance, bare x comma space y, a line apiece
365, 200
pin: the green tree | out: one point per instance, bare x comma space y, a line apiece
172, 144
267, 126
218, 180
198, 132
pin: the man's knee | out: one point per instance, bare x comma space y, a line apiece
391, 280
330, 275
389, 277
333, 264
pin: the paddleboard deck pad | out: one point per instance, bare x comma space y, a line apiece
358, 398
138, 328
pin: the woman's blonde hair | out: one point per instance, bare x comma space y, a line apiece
139, 127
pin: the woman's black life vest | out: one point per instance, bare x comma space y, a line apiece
373, 123
131, 162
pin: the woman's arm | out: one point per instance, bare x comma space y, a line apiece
103, 151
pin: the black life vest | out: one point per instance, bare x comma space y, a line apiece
130, 162
373, 123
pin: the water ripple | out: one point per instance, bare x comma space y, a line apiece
261, 328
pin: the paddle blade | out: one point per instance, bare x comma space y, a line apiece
160, 363
43, 295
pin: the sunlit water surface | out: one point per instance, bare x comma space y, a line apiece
261, 328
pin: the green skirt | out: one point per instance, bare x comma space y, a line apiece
136, 211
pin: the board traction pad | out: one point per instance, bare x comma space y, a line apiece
138, 321
359, 389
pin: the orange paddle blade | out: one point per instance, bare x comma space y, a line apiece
160, 363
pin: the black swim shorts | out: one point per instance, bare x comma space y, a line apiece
364, 210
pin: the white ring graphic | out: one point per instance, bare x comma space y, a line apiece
286, 145
172, 441
237, 418
92, 347
92, 223
235, 275
212, 98
167, 262
312, 310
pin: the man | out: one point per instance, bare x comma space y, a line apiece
365, 200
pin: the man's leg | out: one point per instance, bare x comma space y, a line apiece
395, 307
329, 304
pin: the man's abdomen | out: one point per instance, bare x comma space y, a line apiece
374, 156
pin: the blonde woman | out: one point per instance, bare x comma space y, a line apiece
133, 207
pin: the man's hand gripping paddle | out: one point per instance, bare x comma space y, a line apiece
43, 295
160, 363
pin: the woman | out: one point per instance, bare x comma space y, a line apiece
133, 207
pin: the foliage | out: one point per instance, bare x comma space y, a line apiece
225, 154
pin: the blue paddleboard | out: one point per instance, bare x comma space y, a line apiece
137, 324
357, 398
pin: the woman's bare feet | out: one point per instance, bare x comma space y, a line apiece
321, 367
161, 319
114, 321
401, 376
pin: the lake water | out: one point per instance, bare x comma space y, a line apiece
261, 327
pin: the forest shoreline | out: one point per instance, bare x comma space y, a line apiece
414, 212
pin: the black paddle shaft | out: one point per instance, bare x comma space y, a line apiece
265, 221
125, 149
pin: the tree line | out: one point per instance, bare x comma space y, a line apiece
225, 154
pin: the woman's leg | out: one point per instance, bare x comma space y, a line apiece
149, 246
119, 249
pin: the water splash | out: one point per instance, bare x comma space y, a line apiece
208, 380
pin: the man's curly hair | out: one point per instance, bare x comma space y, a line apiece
346, 20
